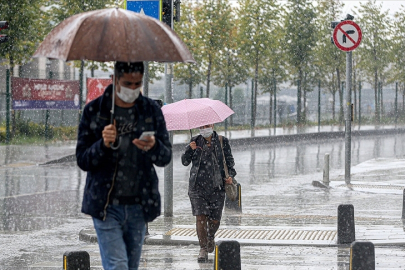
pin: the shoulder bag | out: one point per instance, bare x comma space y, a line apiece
231, 190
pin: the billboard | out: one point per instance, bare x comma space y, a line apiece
34, 94
95, 87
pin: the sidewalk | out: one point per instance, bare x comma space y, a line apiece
307, 223
384, 177
286, 222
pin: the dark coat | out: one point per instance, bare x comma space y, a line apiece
101, 162
194, 156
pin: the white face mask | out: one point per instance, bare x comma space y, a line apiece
206, 132
128, 95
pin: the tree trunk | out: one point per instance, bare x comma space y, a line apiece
271, 108
299, 119
381, 101
231, 104
340, 89
209, 75
376, 106
255, 90
333, 105
304, 115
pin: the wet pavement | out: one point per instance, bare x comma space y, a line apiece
41, 219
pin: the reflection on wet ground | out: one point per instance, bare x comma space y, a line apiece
40, 205
38, 197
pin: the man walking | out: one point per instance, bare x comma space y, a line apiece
121, 192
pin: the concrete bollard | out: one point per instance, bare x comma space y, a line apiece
227, 255
237, 204
76, 260
345, 225
326, 169
362, 256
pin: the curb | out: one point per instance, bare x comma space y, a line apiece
272, 139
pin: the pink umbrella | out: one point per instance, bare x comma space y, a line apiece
194, 113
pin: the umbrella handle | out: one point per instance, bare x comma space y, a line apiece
113, 147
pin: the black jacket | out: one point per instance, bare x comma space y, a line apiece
101, 162
194, 156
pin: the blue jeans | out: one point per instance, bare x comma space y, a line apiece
120, 237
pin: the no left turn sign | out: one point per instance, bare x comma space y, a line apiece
347, 36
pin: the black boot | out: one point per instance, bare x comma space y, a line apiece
201, 226
213, 226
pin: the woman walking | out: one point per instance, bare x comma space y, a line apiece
207, 183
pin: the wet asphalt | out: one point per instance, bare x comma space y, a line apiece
41, 219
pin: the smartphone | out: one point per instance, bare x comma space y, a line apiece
146, 134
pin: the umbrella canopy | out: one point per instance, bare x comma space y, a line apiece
194, 113
113, 34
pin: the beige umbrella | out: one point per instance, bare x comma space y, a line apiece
113, 34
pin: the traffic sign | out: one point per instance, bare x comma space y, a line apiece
151, 8
347, 35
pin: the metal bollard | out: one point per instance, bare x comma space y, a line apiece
237, 204
326, 170
227, 255
147, 230
345, 227
76, 260
362, 256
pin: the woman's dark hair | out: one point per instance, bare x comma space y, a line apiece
123, 67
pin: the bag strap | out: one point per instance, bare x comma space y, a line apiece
223, 157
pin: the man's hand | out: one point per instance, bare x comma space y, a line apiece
146, 144
109, 135
193, 145
228, 180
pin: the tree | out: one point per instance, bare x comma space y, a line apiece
398, 49
212, 18
330, 61
229, 69
27, 27
63, 9
257, 20
300, 39
189, 74
375, 45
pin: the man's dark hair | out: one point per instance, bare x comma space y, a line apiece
123, 67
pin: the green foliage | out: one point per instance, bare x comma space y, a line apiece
258, 20
27, 131
212, 25
374, 50
27, 26
63, 9
189, 74
398, 50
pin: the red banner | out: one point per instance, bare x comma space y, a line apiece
44, 94
96, 87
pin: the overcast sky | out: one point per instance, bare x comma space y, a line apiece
391, 5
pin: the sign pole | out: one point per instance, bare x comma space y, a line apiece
347, 37
168, 171
348, 117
